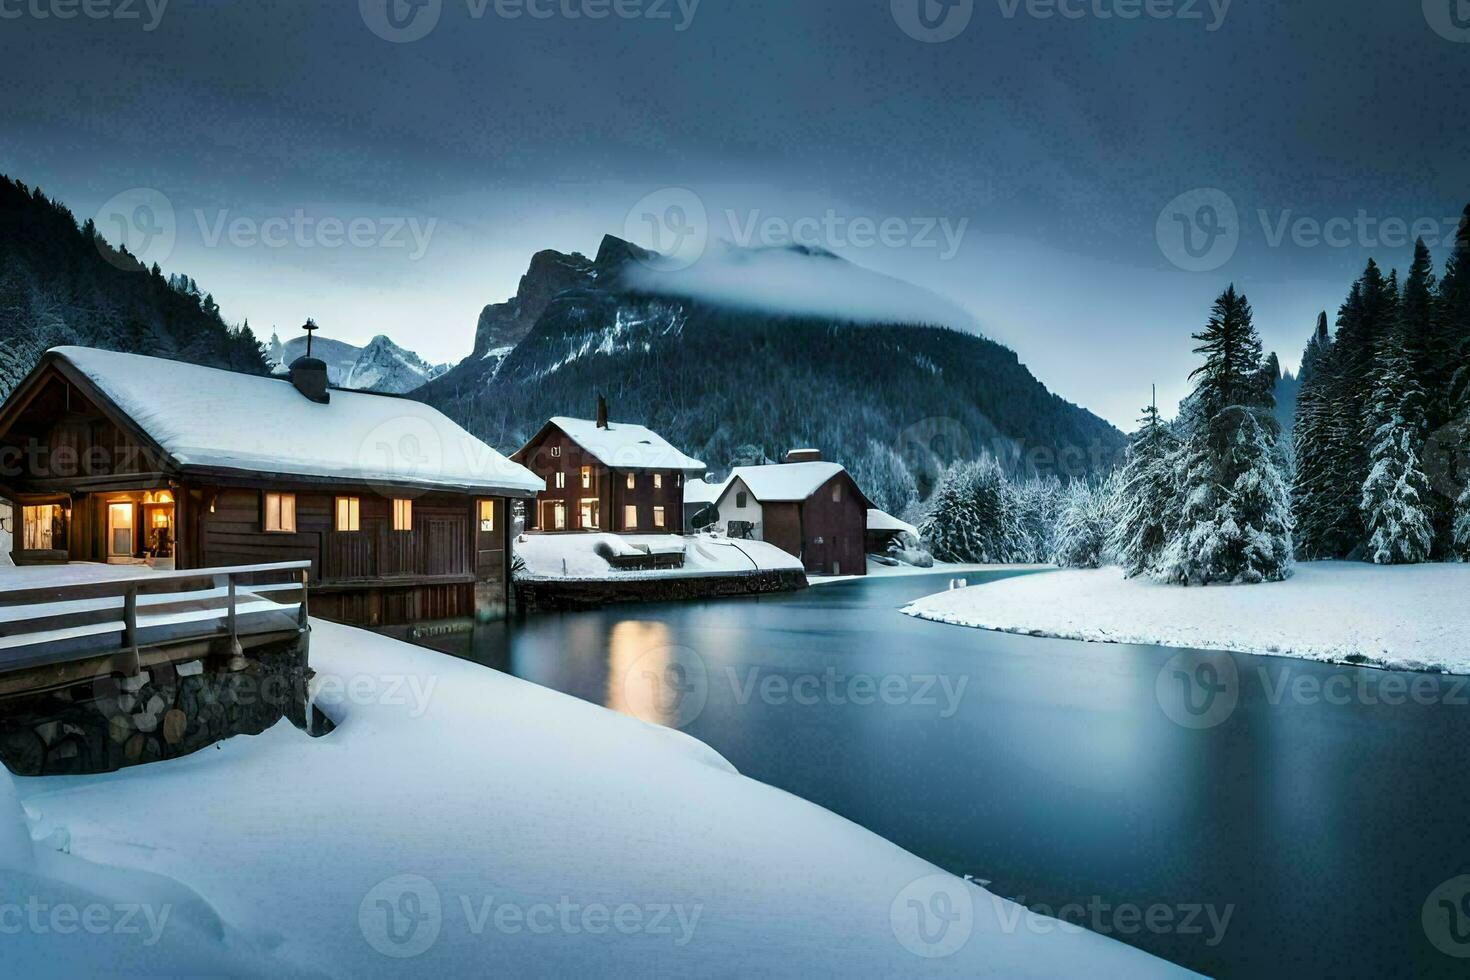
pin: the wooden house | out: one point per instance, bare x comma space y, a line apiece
808, 508
121, 458
597, 475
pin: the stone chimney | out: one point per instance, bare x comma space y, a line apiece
601, 412
803, 456
309, 374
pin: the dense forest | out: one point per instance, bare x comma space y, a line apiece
62, 283
1377, 468
1383, 418
894, 403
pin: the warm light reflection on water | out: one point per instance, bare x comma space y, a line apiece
638, 656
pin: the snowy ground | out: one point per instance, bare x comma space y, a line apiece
574, 557
463, 822
1413, 616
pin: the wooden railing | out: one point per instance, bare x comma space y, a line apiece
216, 608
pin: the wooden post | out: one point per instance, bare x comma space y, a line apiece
130, 627
303, 620
237, 653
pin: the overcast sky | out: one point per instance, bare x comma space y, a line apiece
391, 169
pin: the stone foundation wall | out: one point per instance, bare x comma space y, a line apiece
164, 712
541, 596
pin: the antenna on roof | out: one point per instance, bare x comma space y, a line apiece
310, 327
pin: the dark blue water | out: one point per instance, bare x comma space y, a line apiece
1319, 807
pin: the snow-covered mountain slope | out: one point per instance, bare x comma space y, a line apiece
380, 366
791, 364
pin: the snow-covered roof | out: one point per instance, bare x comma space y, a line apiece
880, 521
703, 492
624, 446
206, 417
785, 481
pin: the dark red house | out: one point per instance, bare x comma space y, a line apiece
606, 476
807, 508
126, 459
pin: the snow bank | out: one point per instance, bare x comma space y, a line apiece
462, 822
574, 557
1412, 616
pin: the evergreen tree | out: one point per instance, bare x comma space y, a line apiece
949, 529
1453, 333
1419, 324
1146, 497
972, 516
1396, 494
1461, 533
1312, 490
1233, 522
1084, 527
1037, 505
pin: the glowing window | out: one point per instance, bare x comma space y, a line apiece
349, 514
280, 512
403, 515
487, 515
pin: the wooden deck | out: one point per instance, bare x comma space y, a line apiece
53, 633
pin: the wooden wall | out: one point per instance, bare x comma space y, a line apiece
373, 576
833, 529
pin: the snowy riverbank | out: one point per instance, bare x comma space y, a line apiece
1414, 617
460, 821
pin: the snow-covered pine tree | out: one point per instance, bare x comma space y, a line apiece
1311, 491
997, 531
949, 529
1396, 495
1146, 496
1453, 330
1084, 527
1233, 523
1460, 534
1037, 504
972, 515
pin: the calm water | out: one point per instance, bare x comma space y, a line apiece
1319, 806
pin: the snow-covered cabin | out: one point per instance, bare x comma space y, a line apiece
123, 458
597, 475
804, 506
